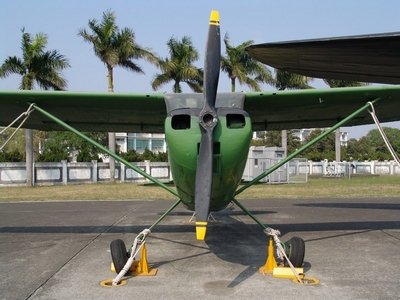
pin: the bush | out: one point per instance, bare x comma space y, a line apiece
12, 156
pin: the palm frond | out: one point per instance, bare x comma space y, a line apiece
12, 65
159, 80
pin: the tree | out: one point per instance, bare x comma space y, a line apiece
273, 138
179, 66
358, 150
115, 47
61, 145
16, 144
377, 145
239, 65
37, 66
336, 83
287, 80
324, 149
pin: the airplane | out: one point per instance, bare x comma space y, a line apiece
208, 134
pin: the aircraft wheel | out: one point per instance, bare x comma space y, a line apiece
119, 254
295, 249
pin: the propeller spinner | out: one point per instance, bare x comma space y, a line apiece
208, 120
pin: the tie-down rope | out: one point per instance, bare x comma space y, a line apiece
385, 138
26, 114
281, 252
137, 245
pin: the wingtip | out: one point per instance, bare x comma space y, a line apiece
214, 17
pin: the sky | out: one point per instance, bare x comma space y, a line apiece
154, 22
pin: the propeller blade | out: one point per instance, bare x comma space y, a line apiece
212, 60
208, 119
203, 182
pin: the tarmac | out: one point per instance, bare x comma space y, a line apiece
60, 250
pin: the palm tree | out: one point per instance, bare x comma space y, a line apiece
37, 66
239, 65
287, 80
336, 83
115, 47
179, 66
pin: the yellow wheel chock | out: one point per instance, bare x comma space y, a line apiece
271, 267
140, 267
270, 263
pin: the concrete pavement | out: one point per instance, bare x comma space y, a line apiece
60, 250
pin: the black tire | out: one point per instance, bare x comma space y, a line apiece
119, 254
295, 250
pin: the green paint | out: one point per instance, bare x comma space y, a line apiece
229, 159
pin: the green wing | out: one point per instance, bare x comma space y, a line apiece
313, 108
316, 108
87, 111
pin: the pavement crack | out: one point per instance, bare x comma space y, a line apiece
76, 254
391, 235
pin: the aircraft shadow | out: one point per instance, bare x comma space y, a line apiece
229, 238
362, 205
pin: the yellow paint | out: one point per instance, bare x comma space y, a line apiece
214, 17
141, 267
286, 272
201, 230
270, 263
108, 283
113, 268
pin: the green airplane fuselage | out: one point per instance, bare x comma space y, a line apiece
231, 138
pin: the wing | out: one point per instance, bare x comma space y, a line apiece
316, 108
87, 111
368, 58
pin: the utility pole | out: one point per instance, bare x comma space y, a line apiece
284, 142
337, 145
29, 157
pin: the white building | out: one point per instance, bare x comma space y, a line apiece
140, 141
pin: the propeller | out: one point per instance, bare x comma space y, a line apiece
208, 120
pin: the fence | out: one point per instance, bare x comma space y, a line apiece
290, 172
347, 169
12, 174
297, 170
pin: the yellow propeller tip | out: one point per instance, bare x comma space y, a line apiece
201, 229
214, 17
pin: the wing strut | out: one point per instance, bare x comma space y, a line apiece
104, 149
141, 237
305, 147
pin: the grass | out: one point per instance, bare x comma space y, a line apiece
357, 187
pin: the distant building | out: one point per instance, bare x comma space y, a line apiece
302, 135
140, 141
156, 141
